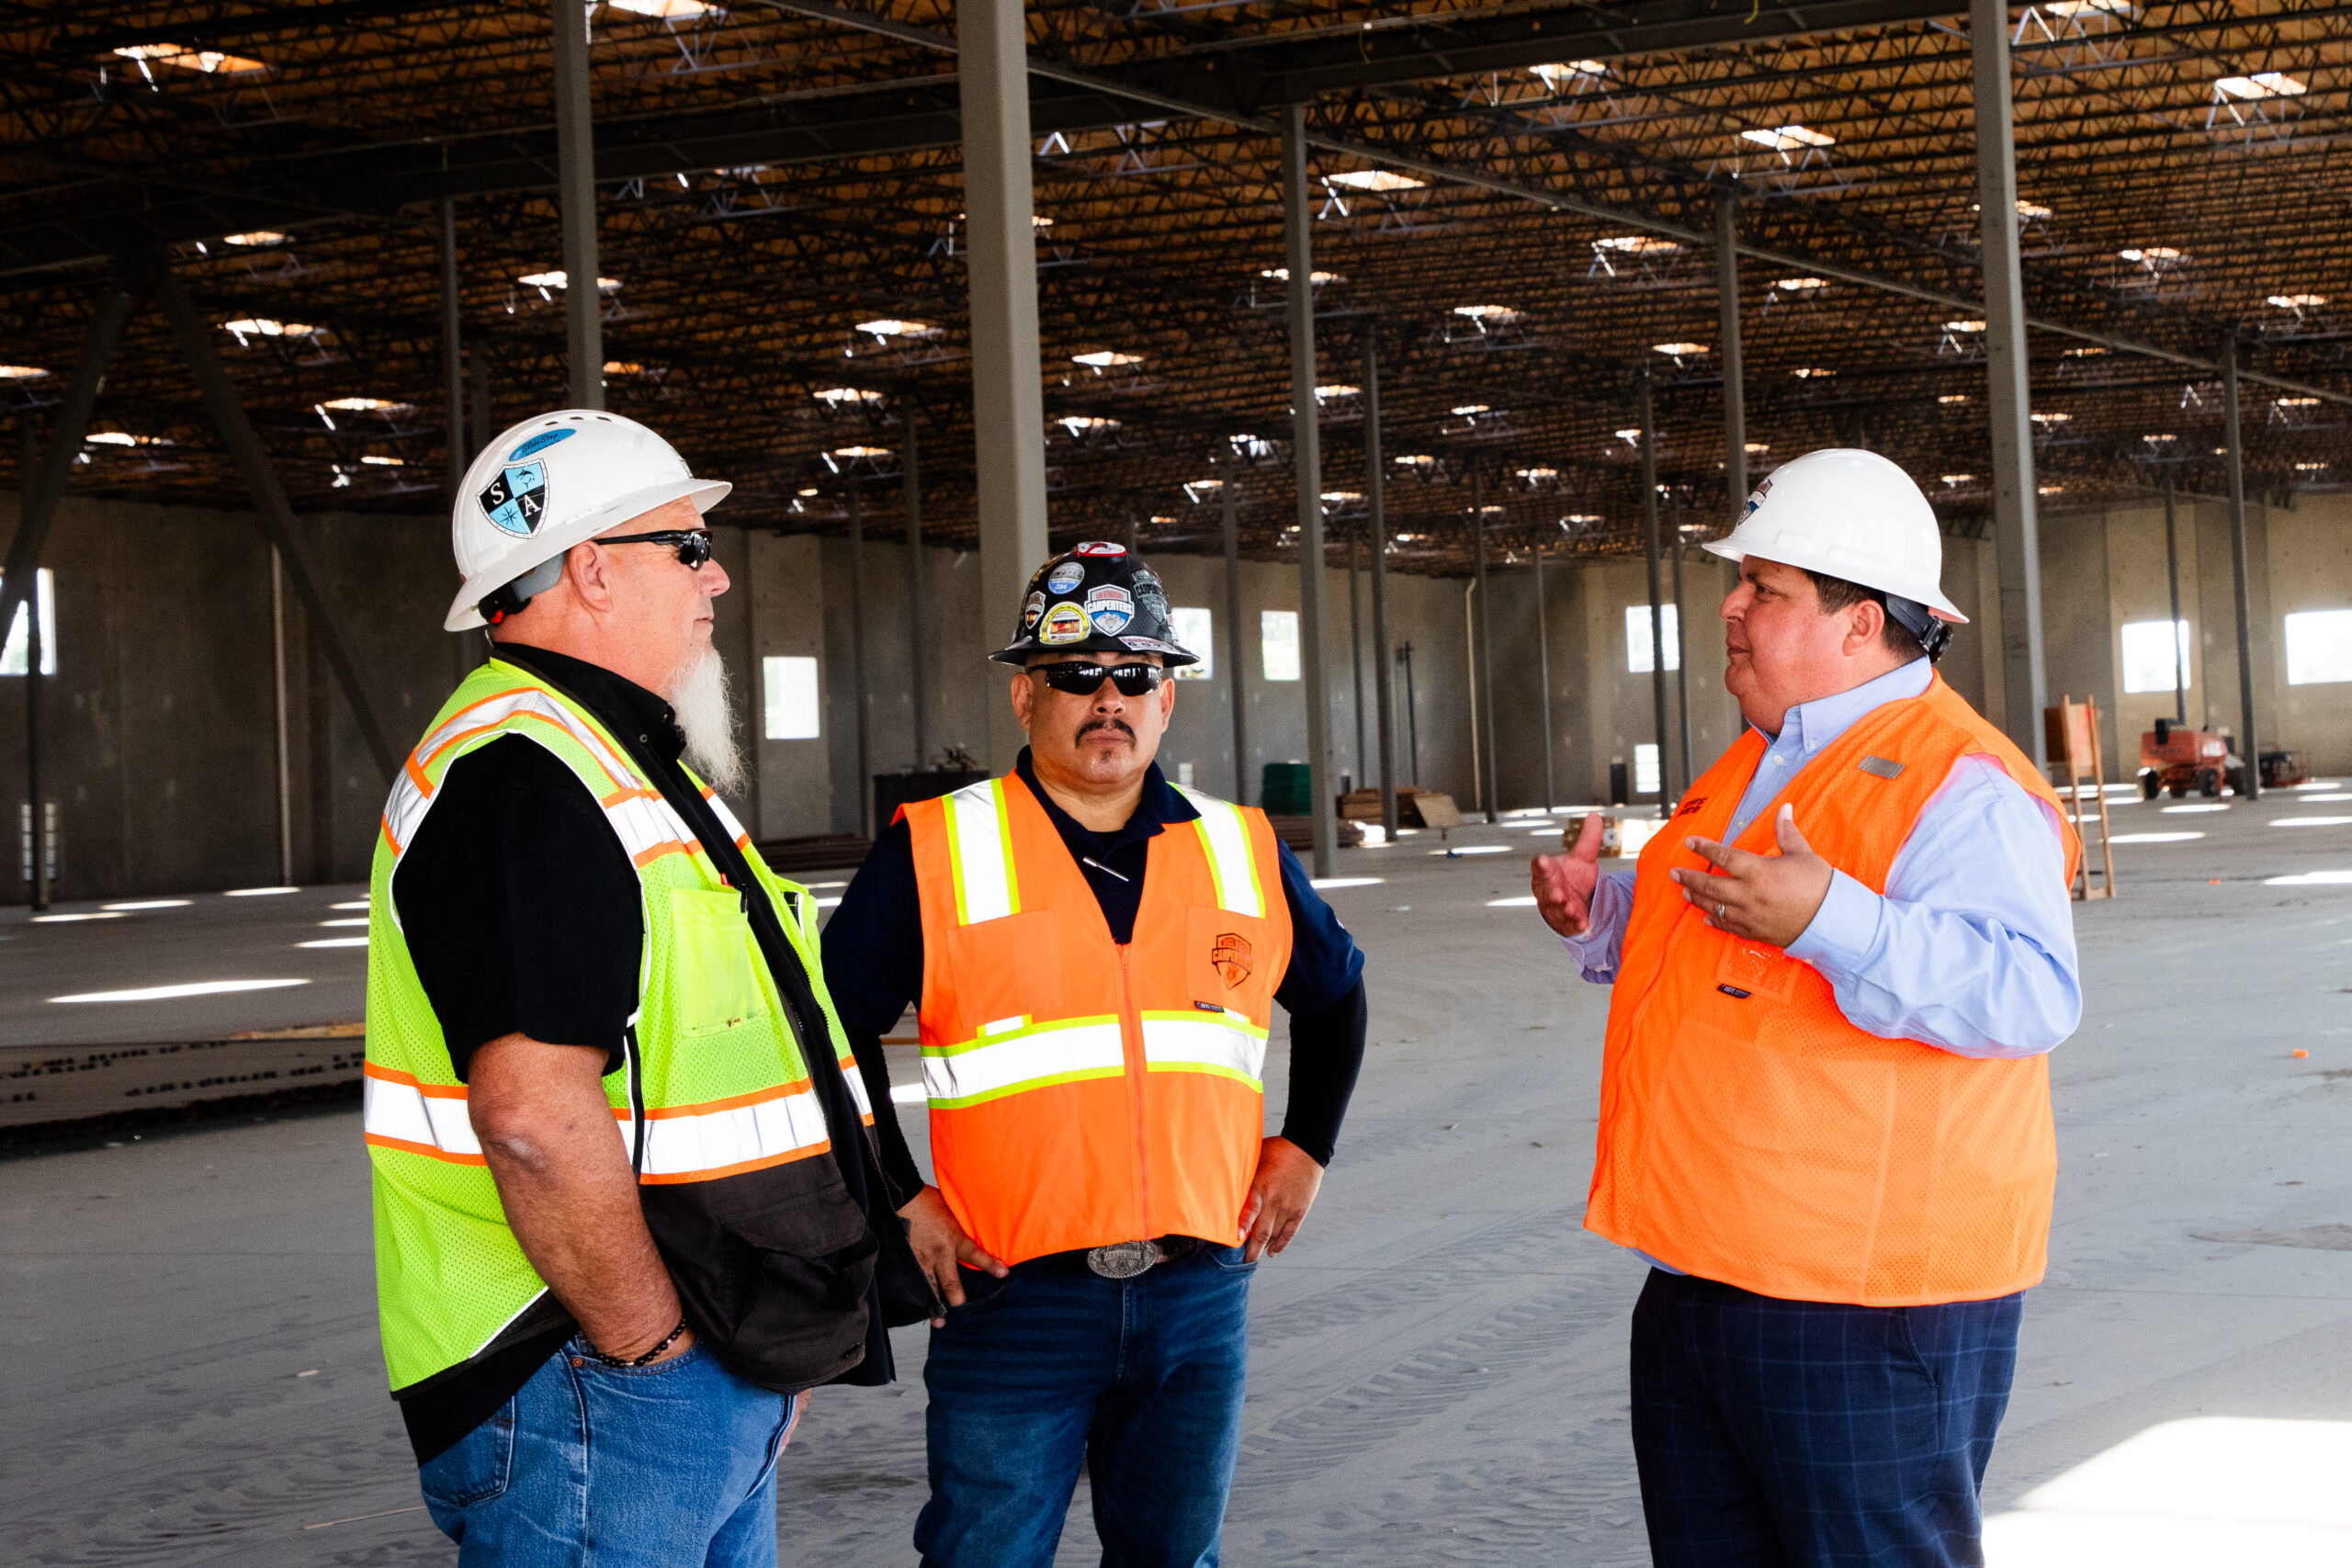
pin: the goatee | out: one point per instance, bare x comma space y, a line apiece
697, 691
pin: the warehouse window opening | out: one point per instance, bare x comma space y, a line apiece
2319, 647
1195, 632
1646, 780
20, 630
1639, 655
1278, 643
788, 692
2148, 655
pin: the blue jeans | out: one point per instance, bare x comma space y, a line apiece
1141, 1379
672, 1466
1771, 1433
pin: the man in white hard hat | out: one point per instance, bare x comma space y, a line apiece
1824, 1099
627, 1210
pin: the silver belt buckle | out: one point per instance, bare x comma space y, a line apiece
1123, 1260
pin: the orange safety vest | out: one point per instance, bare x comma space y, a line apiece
1749, 1133
1082, 1092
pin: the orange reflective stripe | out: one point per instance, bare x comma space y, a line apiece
764, 1162
429, 1151
706, 1108
1749, 1133
667, 847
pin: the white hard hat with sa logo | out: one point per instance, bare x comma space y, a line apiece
1850, 514
551, 482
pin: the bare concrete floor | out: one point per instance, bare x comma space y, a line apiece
1439, 1366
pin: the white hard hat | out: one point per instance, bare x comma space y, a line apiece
549, 482
1847, 514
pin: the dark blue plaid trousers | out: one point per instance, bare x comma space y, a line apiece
1808, 1433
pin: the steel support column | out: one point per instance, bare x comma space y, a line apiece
2172, 577
1483, 669
2009, 400
1229, 507
2248, 746
453, 356
270, 507
1735, 362
1355, 646
45, 486
575, 160
1681, 655
1648, 423
483, 427
36, 645
1544, 673
1307, 472
1000, 262
1375, 498
917, 587
858, 693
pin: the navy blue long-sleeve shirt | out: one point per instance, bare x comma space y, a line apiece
874, 958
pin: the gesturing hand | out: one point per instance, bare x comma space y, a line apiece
941, 1246
1563, 884
1771, 899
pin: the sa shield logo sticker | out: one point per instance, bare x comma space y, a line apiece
1231, 956
1065, 623
517, 498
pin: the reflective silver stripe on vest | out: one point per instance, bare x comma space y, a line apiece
688, 1144
1198, 1043
979, 854
1225, 834
400, 1111
1017, 1055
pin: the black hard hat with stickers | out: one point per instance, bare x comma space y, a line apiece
1096, 598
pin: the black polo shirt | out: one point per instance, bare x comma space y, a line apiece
523, 914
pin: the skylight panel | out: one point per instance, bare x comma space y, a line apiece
21, 372
1083, 424
838, 396
369, 405
2262, 84
1105, 359
256, 237
1374, 180
1635, 245
1281, 275
1679, 350
666, 10
211, 61
891, 326
1553, 75
262, 326
2299, 301
1789, 138
547, 280
1800, 285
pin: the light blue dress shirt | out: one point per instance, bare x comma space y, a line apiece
1972, 947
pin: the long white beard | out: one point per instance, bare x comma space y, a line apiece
698, 693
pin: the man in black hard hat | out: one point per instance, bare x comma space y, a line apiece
1094, 955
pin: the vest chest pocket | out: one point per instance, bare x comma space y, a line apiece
715, 986
1007, 968
1756, 969
1229, 961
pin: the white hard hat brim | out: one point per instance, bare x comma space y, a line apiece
1929, 594
705, 493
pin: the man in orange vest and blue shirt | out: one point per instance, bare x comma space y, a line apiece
1824, 1103
1095, 957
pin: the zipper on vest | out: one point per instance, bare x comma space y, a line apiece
1131, 1037
636, 1060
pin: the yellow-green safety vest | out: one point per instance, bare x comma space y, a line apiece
713, 1084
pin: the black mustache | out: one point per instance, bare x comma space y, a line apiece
1093, 725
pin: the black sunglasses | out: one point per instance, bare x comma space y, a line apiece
693, 544
1080, 679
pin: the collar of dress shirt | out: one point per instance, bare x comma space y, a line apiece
1811, 725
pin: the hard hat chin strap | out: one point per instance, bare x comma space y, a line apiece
506, 600
1934, 633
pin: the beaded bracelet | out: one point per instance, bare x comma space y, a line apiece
667, 1340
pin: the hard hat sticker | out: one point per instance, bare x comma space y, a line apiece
1065, 623
1065, 576
539, 442
517, 498
1110, 607
1153, 645
1033, 608
1151, 599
